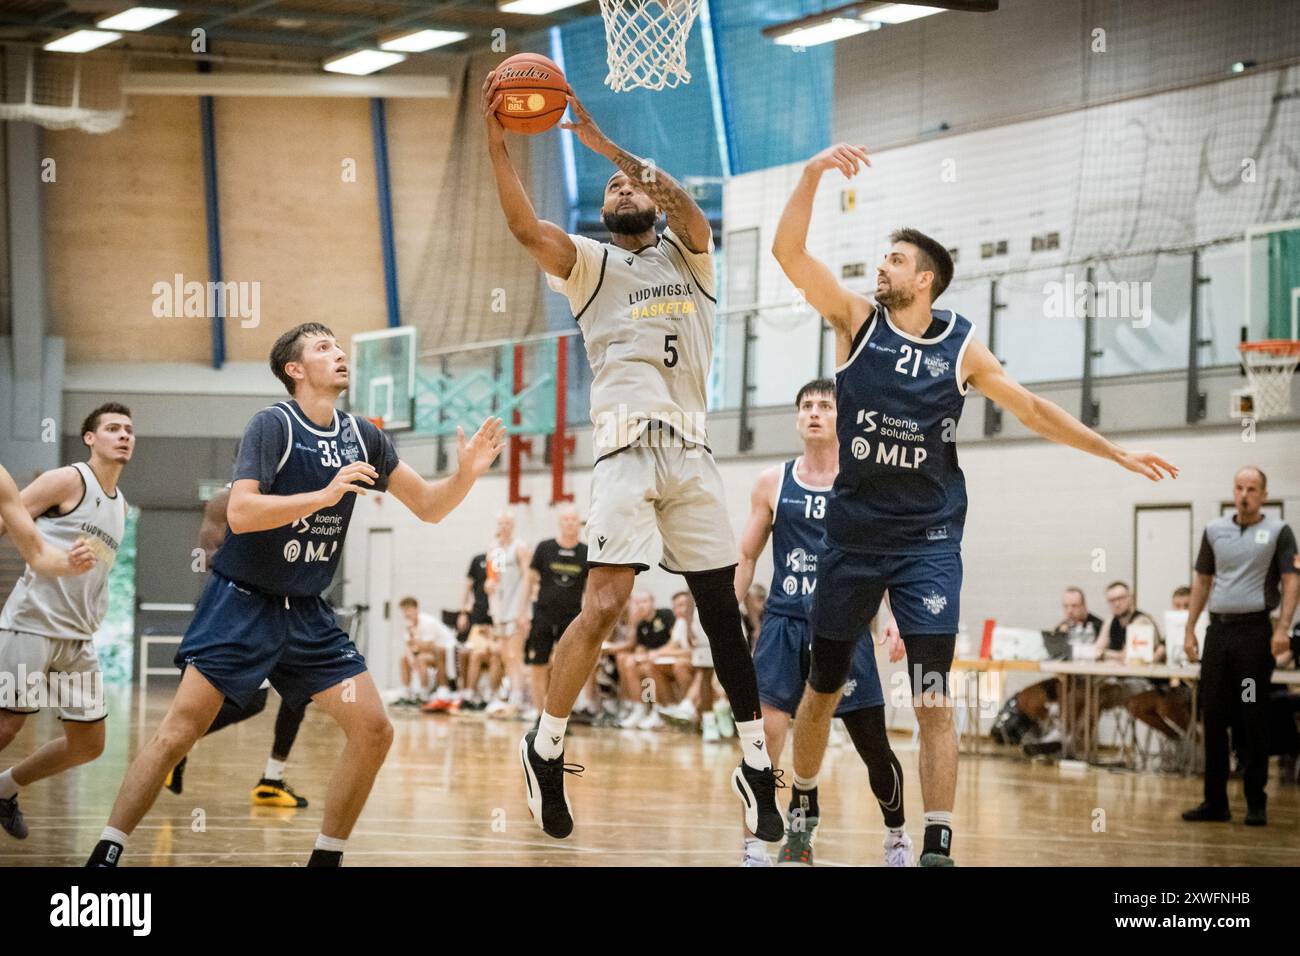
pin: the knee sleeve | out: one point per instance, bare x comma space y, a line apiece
929, 659
287, 722
232, 713
828, 668
870, 738
715, 602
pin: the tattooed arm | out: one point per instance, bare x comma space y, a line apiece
685, 218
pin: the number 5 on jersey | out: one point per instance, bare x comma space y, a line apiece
670, 350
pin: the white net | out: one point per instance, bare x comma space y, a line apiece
62, 91
1269, 367
645, 42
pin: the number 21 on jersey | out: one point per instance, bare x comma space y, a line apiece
908, 355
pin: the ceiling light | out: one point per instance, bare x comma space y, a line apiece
535, 7
82, 41
136, 18
422, 40
899, 13
825, 32
362, 62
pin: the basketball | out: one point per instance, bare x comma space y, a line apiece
535, 93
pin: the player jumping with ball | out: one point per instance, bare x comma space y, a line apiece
645, 304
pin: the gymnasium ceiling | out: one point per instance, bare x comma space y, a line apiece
289, 29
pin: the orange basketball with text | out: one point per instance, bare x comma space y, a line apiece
534, 93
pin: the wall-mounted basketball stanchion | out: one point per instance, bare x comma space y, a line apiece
519, 446
562, 443
992, 413
1090, 412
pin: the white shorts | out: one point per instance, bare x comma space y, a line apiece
69, 676
659, 505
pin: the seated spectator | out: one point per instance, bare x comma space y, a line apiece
1111, 645
481, 648
639, 667
1166, 705
427, 643
1038, 701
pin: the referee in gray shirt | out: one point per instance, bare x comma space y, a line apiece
1247, 566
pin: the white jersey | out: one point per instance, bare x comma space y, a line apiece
647, 320
74, 606
503, 568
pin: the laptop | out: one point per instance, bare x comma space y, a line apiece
1057, 645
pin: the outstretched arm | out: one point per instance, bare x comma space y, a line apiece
42, 557
757, 529
433, 500
685, 218
546, 242
844, 310
982, 370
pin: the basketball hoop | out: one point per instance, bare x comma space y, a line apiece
1269, 366
645, 42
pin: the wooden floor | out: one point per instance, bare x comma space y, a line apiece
450, 795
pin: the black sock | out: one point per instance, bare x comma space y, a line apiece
326, 858
804, 802
938, 839
106, 853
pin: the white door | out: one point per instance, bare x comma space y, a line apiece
380, 635
1164, 556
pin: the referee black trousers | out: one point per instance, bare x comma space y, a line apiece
1236, 667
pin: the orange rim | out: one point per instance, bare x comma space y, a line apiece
1275, 346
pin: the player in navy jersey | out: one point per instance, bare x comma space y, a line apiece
261, 614
789, 503
899, 503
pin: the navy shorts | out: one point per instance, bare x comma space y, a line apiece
924, 592
240, 637
781, 662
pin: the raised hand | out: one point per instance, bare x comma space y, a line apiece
477, 454
1148, 463
585, 128
845, 157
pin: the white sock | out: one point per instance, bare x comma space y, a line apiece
330, 843
549, 742
938, 818
7, 786
114, 835
805, 783
275, 769
753, 743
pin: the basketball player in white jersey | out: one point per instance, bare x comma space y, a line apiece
895, 518
47, 624
645, 304
506, 561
